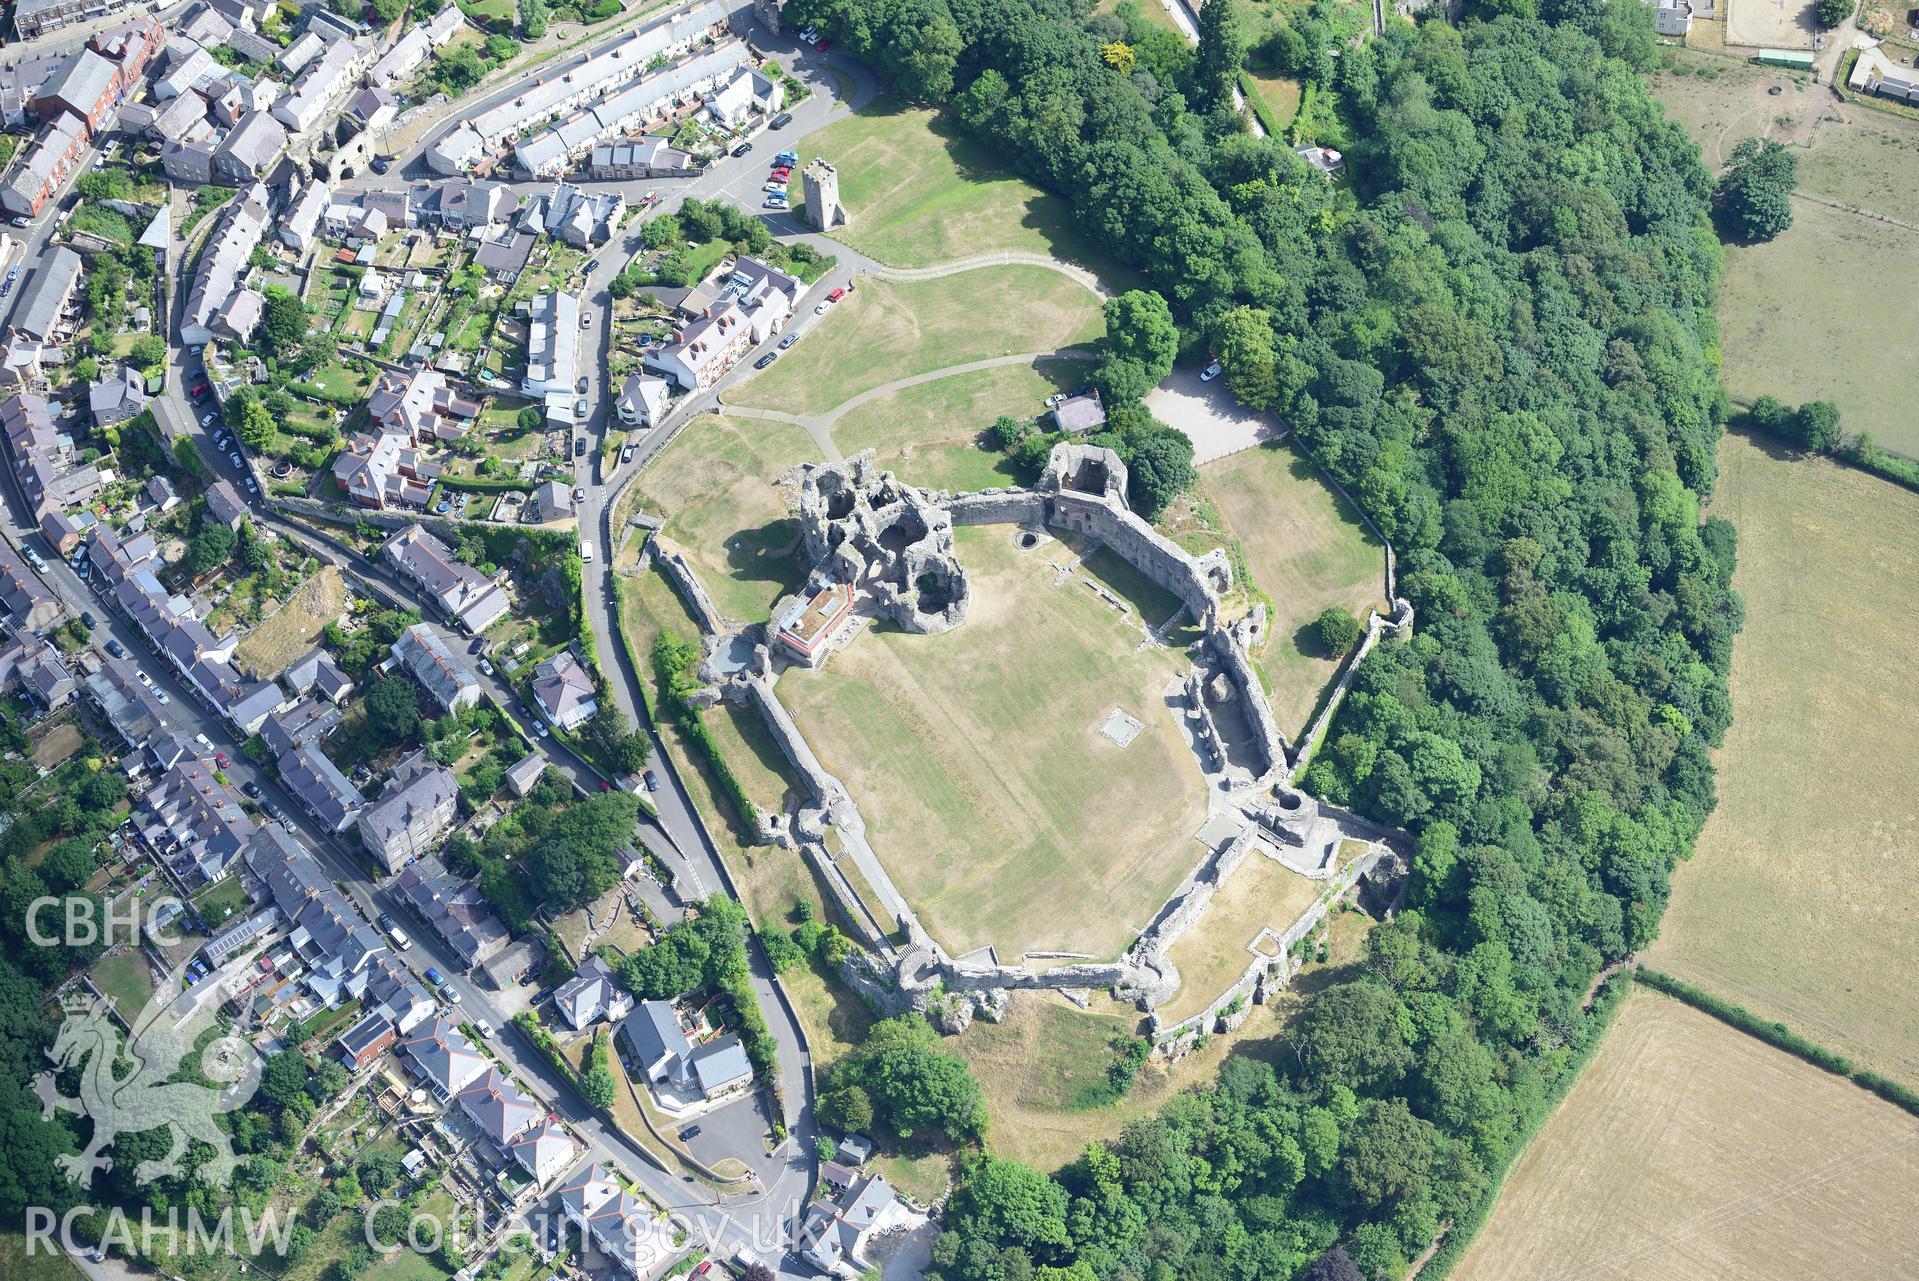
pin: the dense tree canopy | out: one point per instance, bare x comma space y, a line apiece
1499, 339
1756, 189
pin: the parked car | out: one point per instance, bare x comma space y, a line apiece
626, 454
381, 164
145, 679
484, 1028
220, 759
766, 360
209, 420
581, 408
742, 149
808, 36
774, 200
774, 186
116, 649
433, 977
586, 320
690, 1132
539, 730
787, 157
86, 616
837, 294
605, 786
651, 780
586, 552
1209, 373
479, 643
789, 340
251, 788
200, 391
162, 696
579, 494
780, 121
650, 199
822, 45
582, 385
253, 486
579, 446
399, 937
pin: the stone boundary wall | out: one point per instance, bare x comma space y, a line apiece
786, 732
997, 507
674, 565
1190, 900
1252, 696
1264, 975
1399, 624
1145, 549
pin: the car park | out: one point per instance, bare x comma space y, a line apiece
766, 360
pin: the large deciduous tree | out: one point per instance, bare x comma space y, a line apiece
1755, 190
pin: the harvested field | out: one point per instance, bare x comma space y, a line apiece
974, 756
1797, 903
293, 629
714, 484
1213, 953
1691, 1150
932, 434
924, 193
1305, 549
884, 332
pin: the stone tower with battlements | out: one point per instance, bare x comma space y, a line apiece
822, 187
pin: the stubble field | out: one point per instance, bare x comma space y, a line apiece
1690, 1150
1798, 900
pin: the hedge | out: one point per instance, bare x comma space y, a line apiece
1605, 1007
484, 484
1781, 1037
1262, 112
691, 724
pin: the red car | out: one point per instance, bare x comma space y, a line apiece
836, 295
650, 199
221, 760
605, 786
780, 175
822, 44
199, 391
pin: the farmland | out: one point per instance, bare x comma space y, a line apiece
715, 485
1790, 319
1796, 901
886, 331
925, 194
986, 788
1688, 1149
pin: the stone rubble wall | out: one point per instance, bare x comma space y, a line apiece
1195, 581
998, 507
1400, 624
676, 567
820, 785
1252, 697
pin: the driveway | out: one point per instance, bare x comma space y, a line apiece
1206, 412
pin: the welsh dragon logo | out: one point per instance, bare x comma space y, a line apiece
131, 1088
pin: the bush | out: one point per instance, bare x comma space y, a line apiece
1335, 630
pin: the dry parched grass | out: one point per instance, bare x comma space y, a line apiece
884, 331
1690, 1150
293, 629
714, 484
974, 755
1263, 892
1798, 901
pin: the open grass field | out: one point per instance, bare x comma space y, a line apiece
128, 979
920, 192
975, 757
291, 630
714, 484
885, 332
1790, 325
17, 1265
1305, 549
1689, 1150
1210, 956
1797, 902
931, 434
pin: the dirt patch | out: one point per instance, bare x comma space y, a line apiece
1771, 24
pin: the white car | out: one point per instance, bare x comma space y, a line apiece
484, 1028
145, 679
809, 35
162, 696
821, 309
1209, 373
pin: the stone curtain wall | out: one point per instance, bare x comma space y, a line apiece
1252, 697
1400, 624
674, 565
1147, 550
998, 507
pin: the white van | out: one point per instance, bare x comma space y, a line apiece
400, 940
586, 551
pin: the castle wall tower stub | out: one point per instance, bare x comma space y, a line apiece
821, 183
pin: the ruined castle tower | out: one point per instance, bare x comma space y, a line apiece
822, 187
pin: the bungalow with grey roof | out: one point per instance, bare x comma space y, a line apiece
316, 672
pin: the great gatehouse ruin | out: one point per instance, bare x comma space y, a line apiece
881, 549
